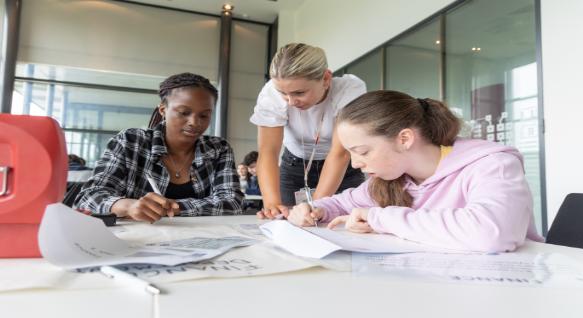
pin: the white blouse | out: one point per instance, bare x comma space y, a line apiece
272, 110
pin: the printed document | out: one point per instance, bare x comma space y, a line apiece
517, 269
70, 239
262, 258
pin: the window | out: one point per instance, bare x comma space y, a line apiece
104, 77
89, 114
491, 76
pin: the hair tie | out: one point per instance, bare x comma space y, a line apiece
423, 104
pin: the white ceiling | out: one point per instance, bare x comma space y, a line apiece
256, 10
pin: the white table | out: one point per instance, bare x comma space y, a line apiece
308, 293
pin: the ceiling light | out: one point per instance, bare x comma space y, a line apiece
228, 9
437, 42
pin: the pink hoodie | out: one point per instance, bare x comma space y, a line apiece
477, 200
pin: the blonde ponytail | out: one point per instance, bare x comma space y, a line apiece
299, 60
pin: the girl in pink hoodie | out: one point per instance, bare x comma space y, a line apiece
426, 184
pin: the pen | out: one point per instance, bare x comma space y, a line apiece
310, 202
155, 188
120, 275
280, 216
153, 185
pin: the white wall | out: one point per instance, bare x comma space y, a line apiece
348, 29
286, 27
562, 51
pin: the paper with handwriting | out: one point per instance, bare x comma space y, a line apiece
70, 239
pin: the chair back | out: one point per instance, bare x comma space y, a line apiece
567, 228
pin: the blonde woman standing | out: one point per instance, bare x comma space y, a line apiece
296, 109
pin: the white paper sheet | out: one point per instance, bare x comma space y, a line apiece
506, 268
263, 258
258, 259
70, 239
318, 242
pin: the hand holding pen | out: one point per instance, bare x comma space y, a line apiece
311, 203
153, 206
304, 214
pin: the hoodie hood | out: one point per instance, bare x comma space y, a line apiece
466, 152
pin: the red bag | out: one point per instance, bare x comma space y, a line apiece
33, 173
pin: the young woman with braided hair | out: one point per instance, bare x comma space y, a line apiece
195, 173
426, 184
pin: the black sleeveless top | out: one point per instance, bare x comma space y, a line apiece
180, 191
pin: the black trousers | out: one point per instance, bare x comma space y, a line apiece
291, 174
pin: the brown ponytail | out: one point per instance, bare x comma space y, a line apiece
386, 113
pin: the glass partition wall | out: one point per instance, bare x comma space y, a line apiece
367, 69
491, 74
480, 57
96, 66
89, 114
413, 62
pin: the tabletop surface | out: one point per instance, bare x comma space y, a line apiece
306, 293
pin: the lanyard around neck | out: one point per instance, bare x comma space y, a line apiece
316, 141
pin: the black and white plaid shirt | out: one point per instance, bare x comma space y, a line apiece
136, 153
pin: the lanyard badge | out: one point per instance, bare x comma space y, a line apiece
304, 195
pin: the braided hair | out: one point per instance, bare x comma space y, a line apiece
180, 81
